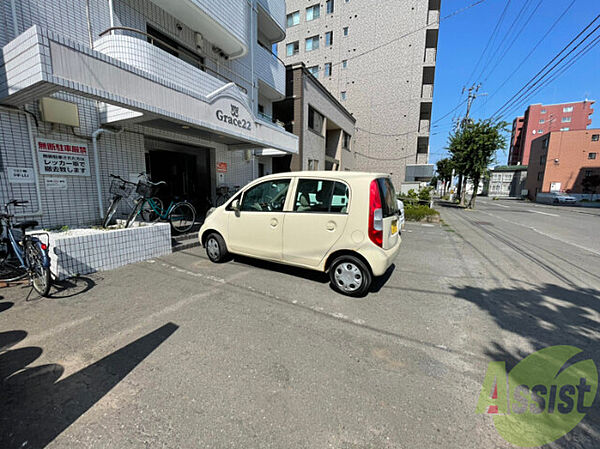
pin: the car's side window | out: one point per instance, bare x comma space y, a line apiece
268, 196
316, 195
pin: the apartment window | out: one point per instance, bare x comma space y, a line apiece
343, 95
587, 173
313, 12
568, 109
346, 141
164, 42
315, 120
329, 39
328, 69
542, 121
595, 137
314, 70
312, 43
565, 129
293, 18
313, 164
293, 48
565, 119
345, 64
543, 111
591, 155
329, 5
540, 131
345, 31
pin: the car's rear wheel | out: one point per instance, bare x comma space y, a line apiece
350, 276
216, 249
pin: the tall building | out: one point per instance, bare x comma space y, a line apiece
180, 89
540, 119
378, 59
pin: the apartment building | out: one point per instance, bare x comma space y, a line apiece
507, 181
561, 162
179, 89
378, 60
540, 119
324, 127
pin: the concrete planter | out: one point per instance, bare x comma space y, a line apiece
83, 251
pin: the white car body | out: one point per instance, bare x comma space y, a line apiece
563, 198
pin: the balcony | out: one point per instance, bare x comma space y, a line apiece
433, 17
430, 55
221, 22
270, 72
427, 91
271, 21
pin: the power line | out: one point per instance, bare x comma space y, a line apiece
529, 85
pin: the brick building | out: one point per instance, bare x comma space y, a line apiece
180, 89
541, 119
323, 125
560, 161
378, 59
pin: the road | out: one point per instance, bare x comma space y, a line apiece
179, 352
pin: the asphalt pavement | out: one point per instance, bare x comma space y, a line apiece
179, 352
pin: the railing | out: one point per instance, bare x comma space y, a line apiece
151, 39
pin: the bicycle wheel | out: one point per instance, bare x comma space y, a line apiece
112, 208
134, 213
39, 275
182, 217
148, 214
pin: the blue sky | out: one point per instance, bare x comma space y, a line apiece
463, 37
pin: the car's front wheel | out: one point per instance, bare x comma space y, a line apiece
350, 276
216, 249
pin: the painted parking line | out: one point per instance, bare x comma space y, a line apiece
543, 213
502, 205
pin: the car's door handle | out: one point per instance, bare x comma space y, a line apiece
330, 226
274, 222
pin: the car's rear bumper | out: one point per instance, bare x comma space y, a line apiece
380, 259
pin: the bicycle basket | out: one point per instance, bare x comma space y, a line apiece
118, 187
146, 190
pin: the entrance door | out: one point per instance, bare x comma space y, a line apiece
257, 229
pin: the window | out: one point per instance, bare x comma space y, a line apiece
329, 5
343, 95
542, 121
312, 43
496, 177
591, 155
543, 111
328, 69
313, 12
313, 164
345, 64
315, 195
267, 196
595, 137
165, 43
565, 129
293, 48
293, 18
587, 173
315, 120
388, 197
329, 39
314, 70
345, 31
540, 131
346, 140
568, 109
565, 119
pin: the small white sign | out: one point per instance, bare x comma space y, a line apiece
18, 175
55, 183
555, 186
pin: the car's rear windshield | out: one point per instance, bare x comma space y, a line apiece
388, 197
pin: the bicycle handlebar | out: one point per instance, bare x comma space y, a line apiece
121, 179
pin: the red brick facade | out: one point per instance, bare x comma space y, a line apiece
561, 160
540, 119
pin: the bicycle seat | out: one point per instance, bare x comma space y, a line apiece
26, 224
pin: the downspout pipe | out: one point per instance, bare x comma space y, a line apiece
95, 135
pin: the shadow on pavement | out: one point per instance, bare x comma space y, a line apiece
36, 407
6, 305
546, 315
311, 275
68, 288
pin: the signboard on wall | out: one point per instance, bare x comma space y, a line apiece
221, 167
62, 158
555, 186
18, 175
55, 183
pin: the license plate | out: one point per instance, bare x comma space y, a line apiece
394, 227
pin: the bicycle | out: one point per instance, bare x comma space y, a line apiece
28, 258
224, 193
119, 188
181, 215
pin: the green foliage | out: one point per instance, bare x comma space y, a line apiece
418, 212
64, 228
425, 193
444, 169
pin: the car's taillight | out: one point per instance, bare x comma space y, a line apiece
375, 215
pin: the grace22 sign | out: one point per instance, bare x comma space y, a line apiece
62, 158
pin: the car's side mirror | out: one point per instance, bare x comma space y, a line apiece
235, 205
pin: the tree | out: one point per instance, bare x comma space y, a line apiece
473, 147
444, 172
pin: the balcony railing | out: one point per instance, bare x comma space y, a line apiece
270, 69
